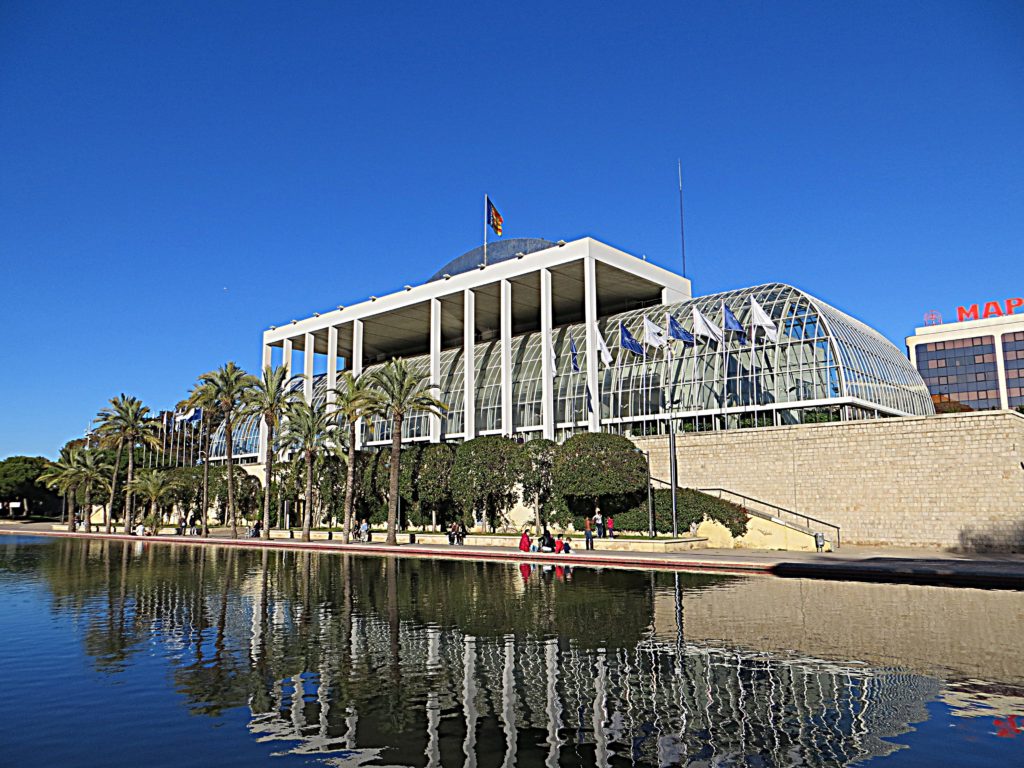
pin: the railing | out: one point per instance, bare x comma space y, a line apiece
808, 521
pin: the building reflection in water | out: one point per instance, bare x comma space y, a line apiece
405, 662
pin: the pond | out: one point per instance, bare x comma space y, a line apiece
172, 654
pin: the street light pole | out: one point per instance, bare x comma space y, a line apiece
672, 475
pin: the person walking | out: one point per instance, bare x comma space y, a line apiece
588, 533
599, 522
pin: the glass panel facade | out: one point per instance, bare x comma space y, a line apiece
961, 371
824, 365
1013, 359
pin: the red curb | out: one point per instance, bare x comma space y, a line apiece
410, 550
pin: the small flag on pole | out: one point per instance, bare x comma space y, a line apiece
575, 358
653, 336
675, 330
760, 319
731, 323
493, 217
626, 341
703, 326
590, 402
602, 347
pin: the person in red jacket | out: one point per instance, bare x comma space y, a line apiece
524, 541
559, 544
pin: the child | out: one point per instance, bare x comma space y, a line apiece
567, 546
559, 544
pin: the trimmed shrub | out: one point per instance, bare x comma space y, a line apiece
594, 468
691, 506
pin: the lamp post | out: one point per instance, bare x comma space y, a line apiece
672, 475
650, 495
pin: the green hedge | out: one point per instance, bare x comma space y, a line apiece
691, 506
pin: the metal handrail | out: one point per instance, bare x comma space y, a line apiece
807, 518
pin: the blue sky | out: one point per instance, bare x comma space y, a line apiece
176, 177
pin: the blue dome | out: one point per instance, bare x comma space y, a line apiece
501, 250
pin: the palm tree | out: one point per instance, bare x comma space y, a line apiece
91, 471
153, 485
227, 386
269, 398
353, 399
399, 391
124, 423
307, 430
62, 476
203, 397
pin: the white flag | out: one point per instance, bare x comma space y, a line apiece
653, 335
702, 326
554, 361
602, 348
760, 319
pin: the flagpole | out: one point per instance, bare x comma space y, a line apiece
485, 230
682, 231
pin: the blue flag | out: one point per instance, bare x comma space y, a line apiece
626, 341
590, 404
676, 331
575, 359
731, 324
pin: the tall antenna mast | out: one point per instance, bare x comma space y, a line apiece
682, 231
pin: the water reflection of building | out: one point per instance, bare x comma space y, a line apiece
659, 702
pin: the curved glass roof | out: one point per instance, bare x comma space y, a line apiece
822, 361
501, 250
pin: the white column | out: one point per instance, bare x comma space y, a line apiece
357, 369
332, 365
547, 382
469, 356
506, 358
1004, 395
435, 363
266, 362
286, 356
307, 367
593, 358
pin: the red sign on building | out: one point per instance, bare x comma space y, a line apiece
989, 309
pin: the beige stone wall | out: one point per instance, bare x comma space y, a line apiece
952, 480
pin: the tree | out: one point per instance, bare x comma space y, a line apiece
91, 470
399, 391
434, 483
62, 476
226, 387
125, 423
269, 397
487, 474
353, 399
156, 487
306, 431
596, 466
537, 480
19, 481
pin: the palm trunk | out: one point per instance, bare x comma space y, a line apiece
350, 481
88, 509
307, 515
231, 477
270, 474
206, 480
71, 511
129, 501
109, 511
396, 450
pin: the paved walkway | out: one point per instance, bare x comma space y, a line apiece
923, 566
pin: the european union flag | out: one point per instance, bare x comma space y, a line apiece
677, 332
575, 359
626, 341
731, 324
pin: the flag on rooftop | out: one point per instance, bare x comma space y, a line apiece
760, 319
493, 217
626, 341
674, 330
703, 326
653, 336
